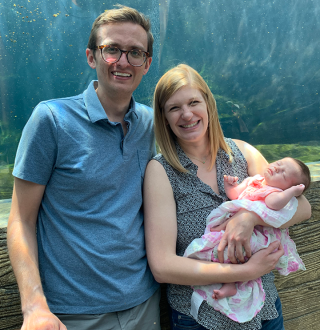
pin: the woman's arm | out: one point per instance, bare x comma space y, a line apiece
256, 165
161, 236
256, 162
239, 228
303, 212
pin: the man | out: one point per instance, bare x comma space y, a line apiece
78, 184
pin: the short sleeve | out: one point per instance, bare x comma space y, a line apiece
256, 190
37, 150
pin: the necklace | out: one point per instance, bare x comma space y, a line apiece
199, 160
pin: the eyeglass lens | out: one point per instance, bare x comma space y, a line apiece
112, 54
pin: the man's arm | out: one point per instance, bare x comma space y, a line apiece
23, 252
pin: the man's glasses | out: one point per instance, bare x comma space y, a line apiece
112, 54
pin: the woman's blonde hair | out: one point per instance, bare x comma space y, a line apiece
176, 78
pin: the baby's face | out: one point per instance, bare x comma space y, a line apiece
283, 174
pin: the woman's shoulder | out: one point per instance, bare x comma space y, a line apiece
158, 157
155, 169
156, 161
236, 148
159, 164
230, 142
245, 148
256, 162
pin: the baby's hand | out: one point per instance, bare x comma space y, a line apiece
297, 190
230, 180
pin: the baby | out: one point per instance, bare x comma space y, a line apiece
272, 197
283, 179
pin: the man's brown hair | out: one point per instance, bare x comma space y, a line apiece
122, 14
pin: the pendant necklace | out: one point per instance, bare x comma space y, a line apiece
199, 160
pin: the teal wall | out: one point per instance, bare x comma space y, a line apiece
260, 59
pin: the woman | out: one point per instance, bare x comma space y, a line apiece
183, 185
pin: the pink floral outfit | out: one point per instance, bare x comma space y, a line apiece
250, 296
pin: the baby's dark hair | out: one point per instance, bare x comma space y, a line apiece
305, 174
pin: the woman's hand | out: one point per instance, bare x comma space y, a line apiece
265, 260
238, 231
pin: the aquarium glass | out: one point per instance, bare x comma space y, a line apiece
260, 59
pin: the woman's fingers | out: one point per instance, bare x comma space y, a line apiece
273, 247
220, 227
232, 252
247, 249
239, 253
276, 248
265, 260
222, 245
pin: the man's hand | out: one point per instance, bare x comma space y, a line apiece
41, 319
238, 231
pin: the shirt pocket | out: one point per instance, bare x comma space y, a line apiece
144, 157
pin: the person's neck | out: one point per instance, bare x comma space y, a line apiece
199, 151
116, 106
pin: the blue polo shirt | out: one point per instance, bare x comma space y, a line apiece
90, 232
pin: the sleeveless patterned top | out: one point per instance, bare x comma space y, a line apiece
194, 201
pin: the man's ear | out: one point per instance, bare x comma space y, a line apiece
90, 58
147, 65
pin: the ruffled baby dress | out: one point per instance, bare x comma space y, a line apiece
250, 296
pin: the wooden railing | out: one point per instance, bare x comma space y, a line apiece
299, 292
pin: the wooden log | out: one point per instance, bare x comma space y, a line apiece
307, 321
10, 307
299, 292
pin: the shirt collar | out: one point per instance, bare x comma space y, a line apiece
221, 154
185, 161
95, 109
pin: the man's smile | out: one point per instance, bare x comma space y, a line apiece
121, 74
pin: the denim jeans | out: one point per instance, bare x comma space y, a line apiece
179, 321
275, 324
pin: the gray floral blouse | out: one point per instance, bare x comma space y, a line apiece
194, 201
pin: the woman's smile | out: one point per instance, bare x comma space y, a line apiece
191, 125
